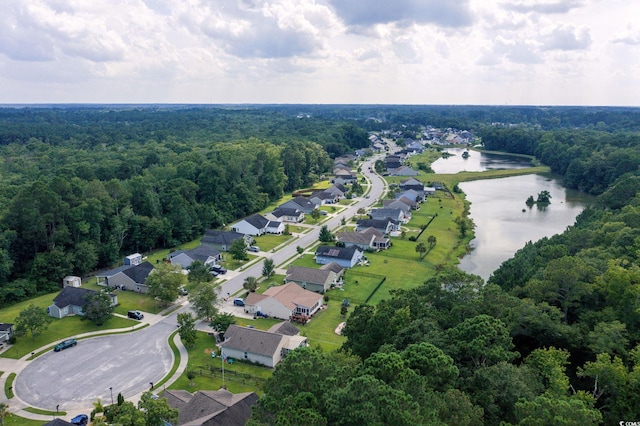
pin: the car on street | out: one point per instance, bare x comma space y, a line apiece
64, 345
80, 419
135, 315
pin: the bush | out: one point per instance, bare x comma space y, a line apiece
412, 238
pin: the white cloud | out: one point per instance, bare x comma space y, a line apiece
566, 37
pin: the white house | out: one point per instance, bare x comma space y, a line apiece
257, 224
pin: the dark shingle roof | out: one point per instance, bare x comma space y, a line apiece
285, 211
202, 253
139, 273
257, 220
285, 328
251, 340
72, 296
213, 408
345, 253
214, 236
58, 422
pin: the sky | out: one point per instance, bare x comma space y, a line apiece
460, 52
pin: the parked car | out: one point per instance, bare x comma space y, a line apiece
80, 419
218, 269
254, 249
183, 291
65, 344
135, 315
238, 302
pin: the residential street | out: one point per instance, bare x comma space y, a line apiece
128, 363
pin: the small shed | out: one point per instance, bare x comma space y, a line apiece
71, 281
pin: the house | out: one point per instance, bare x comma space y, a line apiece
71, 281
284, 301
385, 226
333, 266
415, 196
368, 238
72, 300
399, 201
344, 176
259, 346
6, 331
203, 253
318, 280
411, 183
133, 259
211, 408
346, 257
257, 224
324, 197
403, 171
301, 203
395, 214
286, 215
222, 240
127, 277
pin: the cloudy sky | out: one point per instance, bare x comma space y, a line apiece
517, 52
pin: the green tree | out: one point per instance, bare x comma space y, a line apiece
165, 282
299, 250
125, 414
4, 412
157, 410
204, 301
544, 197
222, 321
268, 268
198, 272
315, 214
187, 329
421, 249
238, 250
32, 319
325, 235
432, 241
99, 308
250, 284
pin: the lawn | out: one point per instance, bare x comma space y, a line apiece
130, 300
239, 376
267, 242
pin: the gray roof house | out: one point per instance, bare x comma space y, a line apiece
413, 205
72, 300
383, 225
203, 253
286, 215
127, 277
347, 257
324, 197
318, 280
398, 204
211, 408
395, 214
257, 224
403, 171
6, 331
301, 203
222, 240
368, 238
261, 347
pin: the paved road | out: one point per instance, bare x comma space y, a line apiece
377, 189
76, 377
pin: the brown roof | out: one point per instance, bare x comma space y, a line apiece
310, 275
292, 295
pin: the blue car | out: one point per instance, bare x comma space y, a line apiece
80, 419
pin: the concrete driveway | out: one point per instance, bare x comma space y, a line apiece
76, 377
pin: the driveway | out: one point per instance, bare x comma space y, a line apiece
76, 377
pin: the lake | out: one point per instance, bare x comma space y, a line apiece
477, 162
504, 223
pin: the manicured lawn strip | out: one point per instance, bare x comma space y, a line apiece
13, 420
357, 286
44, 412
258, 323
176, 360
267, 242
306, 260
8, 385
239, 376
61, 329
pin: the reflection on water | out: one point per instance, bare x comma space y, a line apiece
504, 223
477, 162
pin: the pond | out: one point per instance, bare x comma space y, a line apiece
477, 162
504, 223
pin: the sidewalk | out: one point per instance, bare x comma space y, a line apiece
10, 365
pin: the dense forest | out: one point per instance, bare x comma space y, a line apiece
82, 186
553, 337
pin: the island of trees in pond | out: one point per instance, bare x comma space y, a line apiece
551, 338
